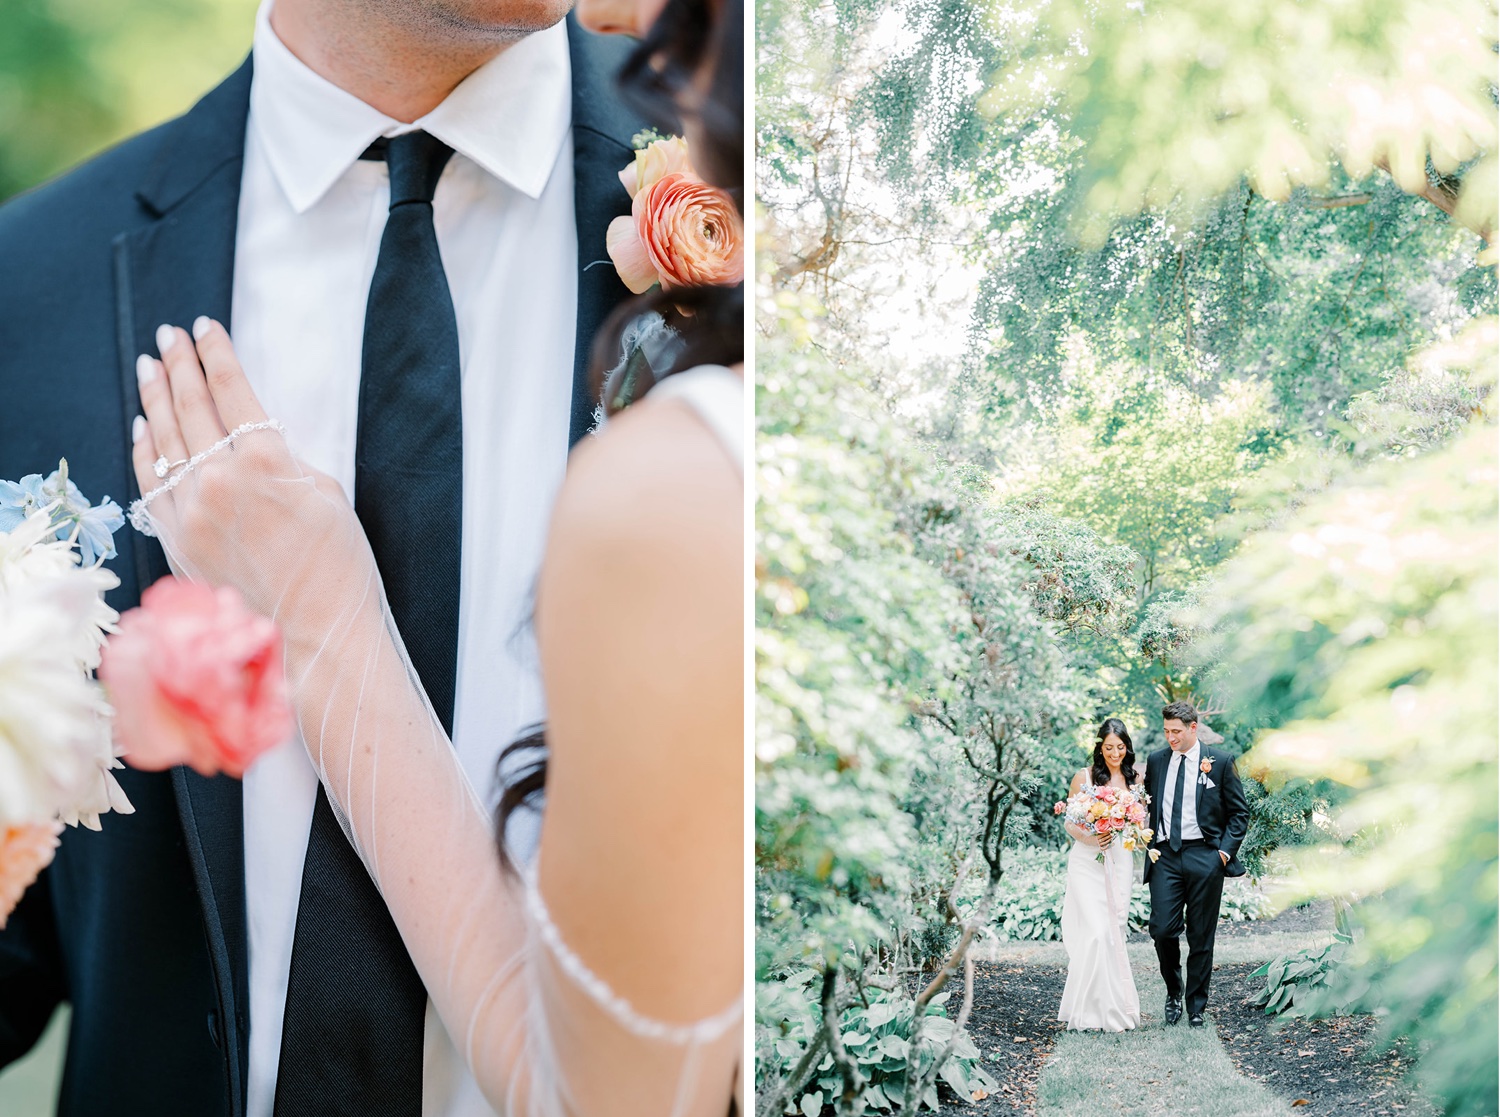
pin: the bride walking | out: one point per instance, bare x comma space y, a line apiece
1100, 992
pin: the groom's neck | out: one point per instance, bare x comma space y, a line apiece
402, 58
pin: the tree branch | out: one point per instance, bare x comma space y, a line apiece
775, 1100
1339, 201
959, 955
1442, 193
854, 1082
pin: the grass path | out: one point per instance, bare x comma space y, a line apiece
1151, 1072
1155, 1071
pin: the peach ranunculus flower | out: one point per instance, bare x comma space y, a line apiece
196, 678
681, 232
25, 850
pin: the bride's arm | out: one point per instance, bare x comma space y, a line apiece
256, 519
1073, 788
640, 625
253, 517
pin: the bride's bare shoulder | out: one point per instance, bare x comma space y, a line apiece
644, 571
640, 626
651, 475
1078, 778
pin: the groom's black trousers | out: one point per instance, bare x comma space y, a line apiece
1192, 881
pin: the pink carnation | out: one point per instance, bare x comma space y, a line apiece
196, 678
1059, 807
25, 850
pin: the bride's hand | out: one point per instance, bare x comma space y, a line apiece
1106, 839
249, 515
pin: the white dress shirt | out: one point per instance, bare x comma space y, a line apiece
310, 220
1189, 795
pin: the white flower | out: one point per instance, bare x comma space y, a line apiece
55, 747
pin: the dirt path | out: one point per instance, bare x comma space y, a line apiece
1326, 1066
1014, 1022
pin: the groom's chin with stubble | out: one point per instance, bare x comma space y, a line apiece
497, 22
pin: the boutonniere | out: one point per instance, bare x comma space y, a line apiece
681, 231
1206, 765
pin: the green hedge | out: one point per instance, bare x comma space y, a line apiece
1028, 906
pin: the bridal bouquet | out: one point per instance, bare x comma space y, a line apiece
1104, 810
56, 751
190, 677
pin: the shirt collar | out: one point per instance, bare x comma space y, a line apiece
1191, 754
510, 116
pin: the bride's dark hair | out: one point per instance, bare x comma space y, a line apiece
656, 79
1100, 773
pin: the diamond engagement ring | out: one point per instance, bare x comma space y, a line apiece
139, 515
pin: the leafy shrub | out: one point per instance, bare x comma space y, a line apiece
1299, 984
1029, 904
877, 1037
1244, 902
1284, 818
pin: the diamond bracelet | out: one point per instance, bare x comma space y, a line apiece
139, 517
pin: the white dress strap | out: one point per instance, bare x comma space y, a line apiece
598, 990
718, 396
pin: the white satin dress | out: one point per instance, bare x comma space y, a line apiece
1100, 993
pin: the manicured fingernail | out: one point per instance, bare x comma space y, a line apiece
145, 369
200, 327
138, 429
165, 336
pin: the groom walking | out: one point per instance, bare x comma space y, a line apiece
1199, 817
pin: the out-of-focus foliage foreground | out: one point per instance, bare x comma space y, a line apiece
79, 75
1114, 352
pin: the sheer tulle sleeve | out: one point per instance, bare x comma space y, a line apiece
544, 1034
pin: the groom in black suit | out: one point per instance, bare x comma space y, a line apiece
144, 927
1199, 817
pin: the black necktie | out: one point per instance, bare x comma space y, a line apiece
353, 1028
1176, 835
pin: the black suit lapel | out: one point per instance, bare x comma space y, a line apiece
174, 269
1159, 790
602, 131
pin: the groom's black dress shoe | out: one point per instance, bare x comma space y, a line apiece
1195, 1020
1174, 1011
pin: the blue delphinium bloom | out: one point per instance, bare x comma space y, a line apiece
96, 530
71, 510
19, 499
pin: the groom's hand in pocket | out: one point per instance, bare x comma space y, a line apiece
1223, 859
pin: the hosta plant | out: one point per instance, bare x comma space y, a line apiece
875, 1033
